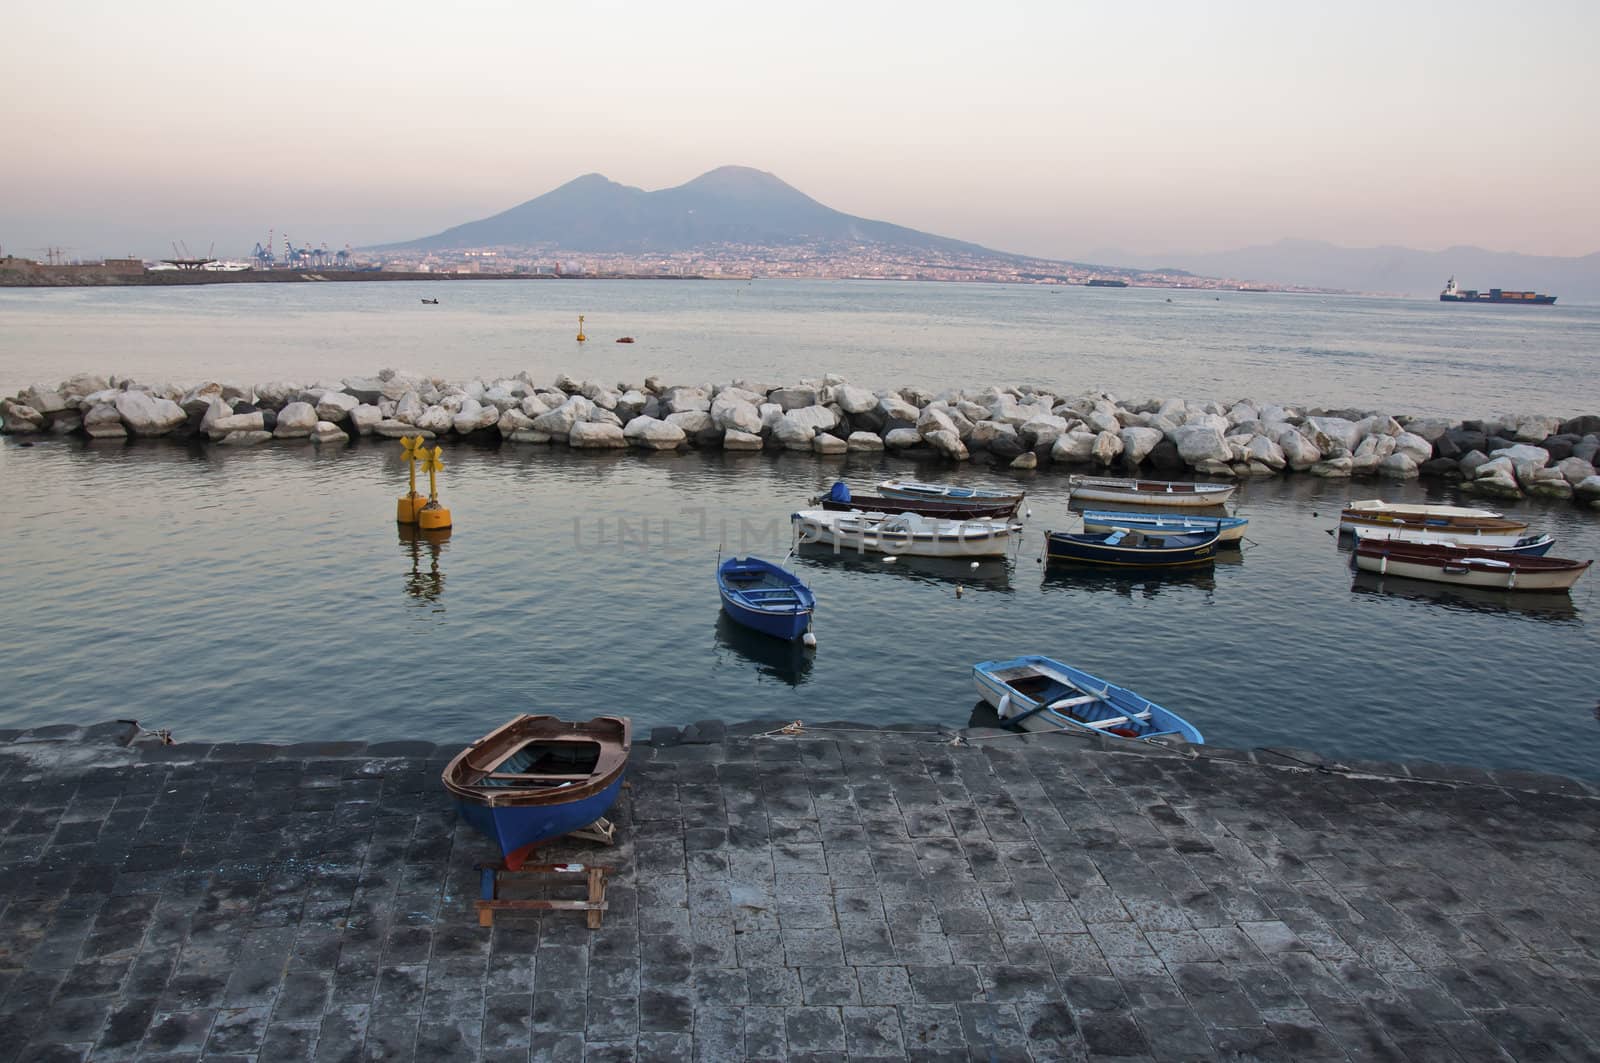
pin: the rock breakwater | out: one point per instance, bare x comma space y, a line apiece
1021, 427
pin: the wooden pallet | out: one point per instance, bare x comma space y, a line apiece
594, 875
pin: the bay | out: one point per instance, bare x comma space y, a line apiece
1407, 356
268, 595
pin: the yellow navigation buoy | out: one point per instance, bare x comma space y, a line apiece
433, 516
407, 508
581, 337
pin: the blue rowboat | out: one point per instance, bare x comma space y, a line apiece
765, 597
1126, 548
946, 492
1040, 694
1228, 529
536, 778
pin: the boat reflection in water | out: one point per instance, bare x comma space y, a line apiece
990, 573
1535, 605
785, 661
1146, 583
425, 586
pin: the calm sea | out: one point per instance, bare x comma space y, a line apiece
1406, 356
268, 595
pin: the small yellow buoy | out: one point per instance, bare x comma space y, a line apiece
433, 515
408, 506
581, 337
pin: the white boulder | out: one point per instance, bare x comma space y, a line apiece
902, 438
364, 418
819, 417
792, 433
1330, 433
1107, 447
145, 414
435, 420
1137, 443
238, 422
475, 416
1573, 470
655, 434
852, 399
327, 432
1264, 451
595, 435
897, 409
1202, 442
1413, 446
733, 439
730, 411
1398, 466
336, 405
1073, 447
20, 418
244, 439
691, 422
947, 443
864, 441
295, 421
823, 443
560, 421
398, 430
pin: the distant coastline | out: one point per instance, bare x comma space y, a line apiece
88, 277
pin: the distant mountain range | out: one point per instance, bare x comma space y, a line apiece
1400, 270
729, 205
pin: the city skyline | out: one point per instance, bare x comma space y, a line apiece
1032, 129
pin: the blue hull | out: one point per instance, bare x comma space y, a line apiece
1110, 549
514, 827
1112, 710
765, 597
778, 625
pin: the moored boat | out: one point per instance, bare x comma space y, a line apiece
1041, 694
1149, 492
904, 533
536, 778
1469, 567
1502, 542
840, 500
1228, 529
1441, 520
1126, 548
947, 492
765, 597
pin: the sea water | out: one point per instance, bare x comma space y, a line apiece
267, 594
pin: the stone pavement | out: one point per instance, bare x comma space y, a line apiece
836, 895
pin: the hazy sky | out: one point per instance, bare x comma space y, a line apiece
1046, 128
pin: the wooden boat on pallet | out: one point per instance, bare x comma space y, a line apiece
1469, 567
1454, 521
947, 493
536, 778
1148, 492
904, 533
1500, 543
1124, 548
1228, 529
1040, 694
840, 500
765, 597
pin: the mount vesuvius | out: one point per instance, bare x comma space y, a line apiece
729, 205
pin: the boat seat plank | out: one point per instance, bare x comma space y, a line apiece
1115, 721
1086, 699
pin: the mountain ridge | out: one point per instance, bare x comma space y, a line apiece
727, 205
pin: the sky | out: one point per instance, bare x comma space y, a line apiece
1056, 129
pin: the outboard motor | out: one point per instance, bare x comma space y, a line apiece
839, 492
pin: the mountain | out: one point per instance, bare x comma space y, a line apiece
1401, 270
729, 205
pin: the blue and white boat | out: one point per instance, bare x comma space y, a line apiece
1126, 548
1228, 529
765, 597
536, 778
1040, 694
947, 492
1531, 545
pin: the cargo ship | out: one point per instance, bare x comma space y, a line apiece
1452, 294
1102, 282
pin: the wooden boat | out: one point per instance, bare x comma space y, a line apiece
1500, 543
1133, 549
904, 533
624, 339
1041, 694
536, 778
1228, 529
947, 492
765, 597
1468, 566
1148, 492
430, 302
1454, 521
840, 500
